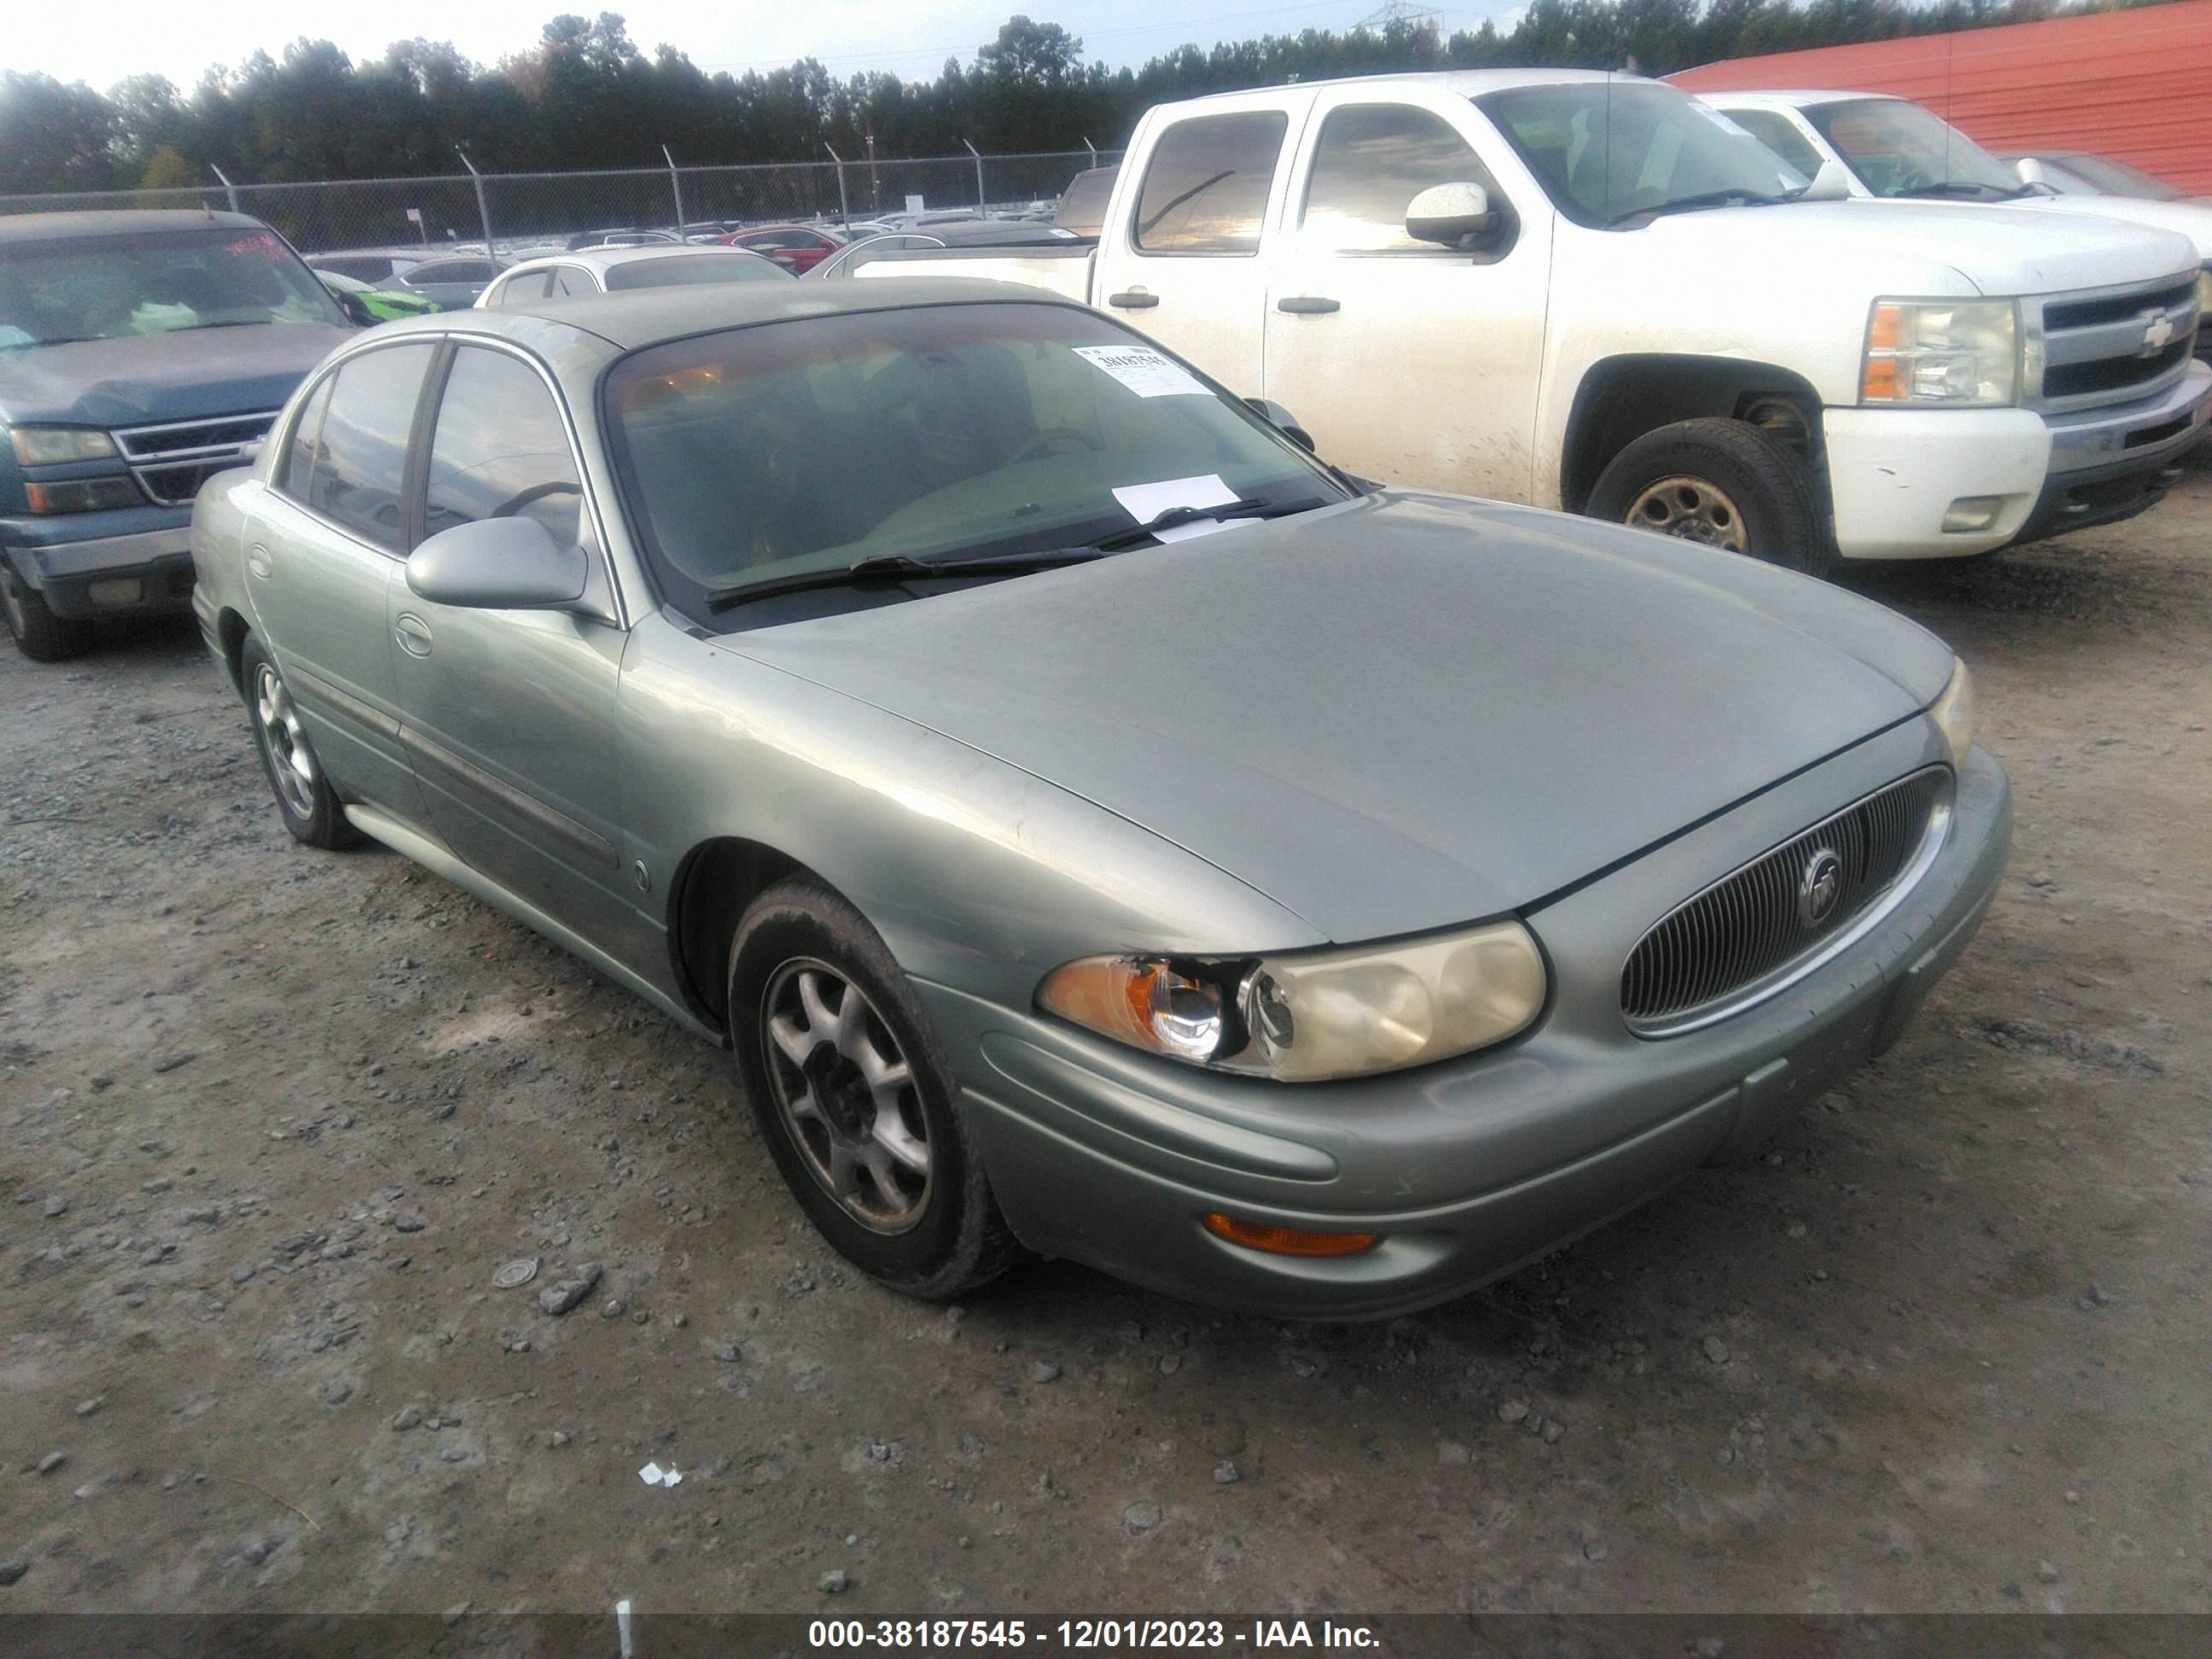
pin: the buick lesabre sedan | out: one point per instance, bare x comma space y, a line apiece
1099, 828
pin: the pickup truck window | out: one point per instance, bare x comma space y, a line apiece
162, 282
1205, 189
1779, 135
1371, 160
499, 450
1899, 148
1606, 149
757, 454
363, 457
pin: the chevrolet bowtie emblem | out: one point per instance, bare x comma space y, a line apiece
2156, 335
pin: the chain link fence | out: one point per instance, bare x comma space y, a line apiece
515, 213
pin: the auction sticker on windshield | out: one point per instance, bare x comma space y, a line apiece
1144, 371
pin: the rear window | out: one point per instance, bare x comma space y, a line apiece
1083, 204
1205, 189
695, 268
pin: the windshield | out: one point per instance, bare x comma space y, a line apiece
686, 269
1605, 150
108, 288
936, 433
1899, 148
2106, 177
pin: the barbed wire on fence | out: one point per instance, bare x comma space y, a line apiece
507, 213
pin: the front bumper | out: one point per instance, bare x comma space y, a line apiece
1471, 1168
141, 572
2115, 464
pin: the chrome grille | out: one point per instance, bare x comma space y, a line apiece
1746, 935
2106, 346
171, 462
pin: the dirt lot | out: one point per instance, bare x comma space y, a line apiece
271, 1119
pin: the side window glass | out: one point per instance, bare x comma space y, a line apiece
1206, 190
569, 282
500, 450
363, 457
300, 459
1777, 135
1371, 161
520, 290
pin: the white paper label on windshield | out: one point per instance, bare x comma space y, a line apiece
1146, 373
1145, 503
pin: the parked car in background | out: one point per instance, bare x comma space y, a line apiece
963, 234
452, 282
1098, 827
595, 271
1896, 151
626, 238
2075, 173
1082, 209
1595, 292
797, 248
373, 268
139, 353
370, 305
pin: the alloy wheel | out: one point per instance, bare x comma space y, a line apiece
291, 762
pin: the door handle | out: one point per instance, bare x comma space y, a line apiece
257, 561
413, 635
1306, 305
1133, 299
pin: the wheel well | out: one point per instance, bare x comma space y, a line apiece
231, 630
714, 884
1622, 398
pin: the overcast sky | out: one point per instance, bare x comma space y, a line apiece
102, 41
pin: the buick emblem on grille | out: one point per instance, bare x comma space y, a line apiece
1819, 887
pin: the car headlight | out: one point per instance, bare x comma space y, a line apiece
2204, 295
1953, 713
83, 495
1941, 353
51, 445
1307, 1016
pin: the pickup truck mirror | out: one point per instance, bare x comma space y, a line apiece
499, 564
1451, 214
1832, 182
2030, 171
1282, 420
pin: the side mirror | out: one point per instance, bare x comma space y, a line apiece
355, 308
499, 564
1283, 421
1832, 182
1451, 214
2032, 171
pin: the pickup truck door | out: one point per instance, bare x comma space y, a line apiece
1185, 265
1408, 362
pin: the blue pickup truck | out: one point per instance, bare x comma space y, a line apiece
140, 353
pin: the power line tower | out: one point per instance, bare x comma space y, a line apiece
1404, 13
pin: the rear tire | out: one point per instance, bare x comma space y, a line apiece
310, 808
1723, 483
38, 633
857, 1100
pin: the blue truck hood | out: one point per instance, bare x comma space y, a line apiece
146, 379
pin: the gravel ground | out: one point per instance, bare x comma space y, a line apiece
271, 1122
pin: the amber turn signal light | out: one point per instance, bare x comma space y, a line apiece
1286, 1241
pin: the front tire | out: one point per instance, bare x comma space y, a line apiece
1726, 484
856, 1099
38, 633
305, 800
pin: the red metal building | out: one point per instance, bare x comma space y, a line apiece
2135, 85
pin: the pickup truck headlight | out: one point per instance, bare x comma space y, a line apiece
83, 495
1953, 713
2204, 295
1941, 354
1308, 1016
52, 446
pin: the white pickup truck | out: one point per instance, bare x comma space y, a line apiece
1595, 293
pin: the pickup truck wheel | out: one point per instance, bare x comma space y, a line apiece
1725, 483
856, 1099
38, 633
304, 801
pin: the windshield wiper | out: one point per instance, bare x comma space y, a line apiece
1706, 198
1969, 188
1251, 506
892, 568
66, 339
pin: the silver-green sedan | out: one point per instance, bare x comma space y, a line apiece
1099, 828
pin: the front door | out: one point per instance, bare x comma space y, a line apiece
510, 714
322, 551
1408, 362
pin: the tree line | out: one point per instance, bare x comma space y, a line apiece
585, 95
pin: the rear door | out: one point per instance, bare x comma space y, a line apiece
323, 549
510, 714
1185, 266
1408, 362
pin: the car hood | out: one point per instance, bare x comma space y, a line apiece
1398, 714
1917, 247
2190, 219
148, 378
